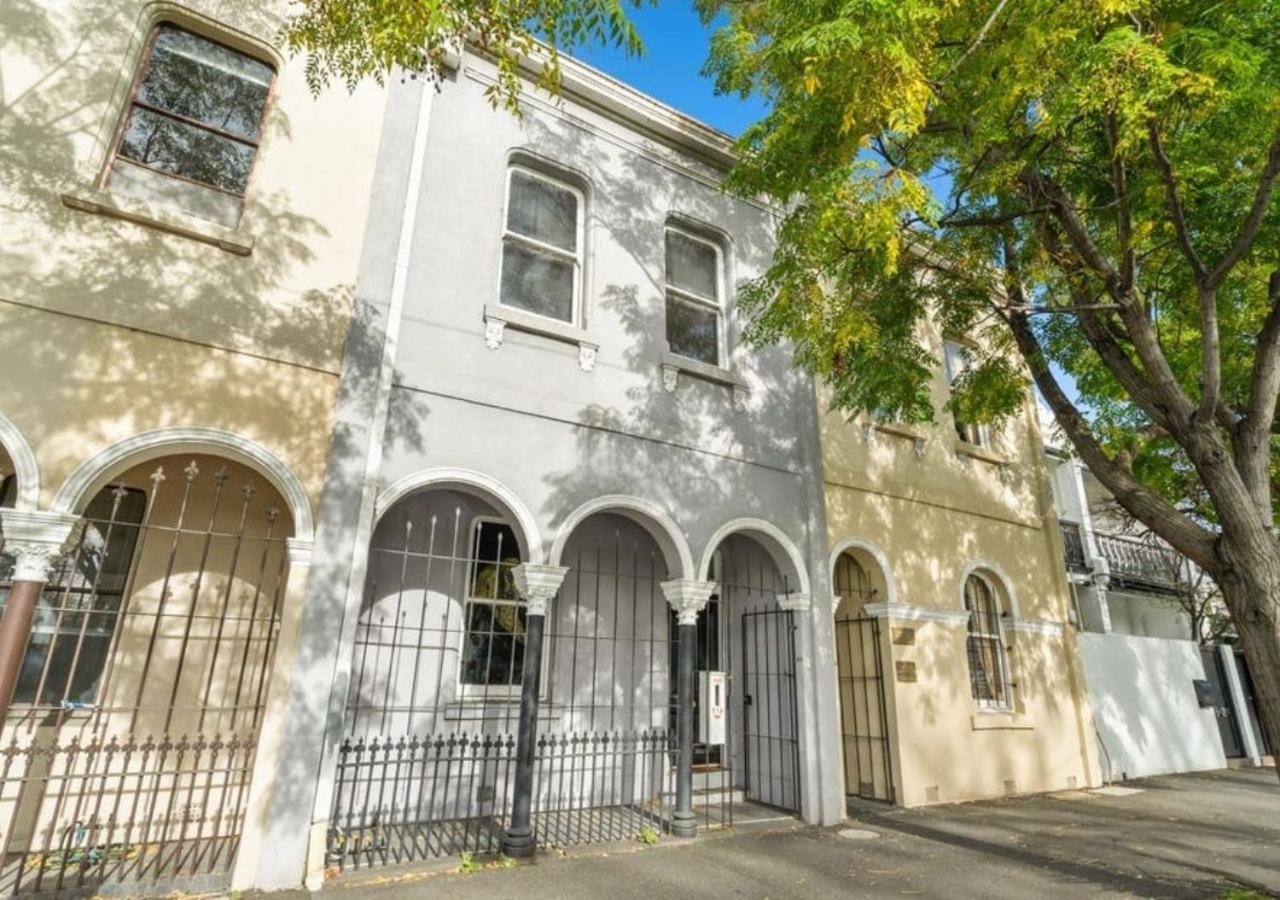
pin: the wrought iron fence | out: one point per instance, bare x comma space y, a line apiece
128, 751
400, 800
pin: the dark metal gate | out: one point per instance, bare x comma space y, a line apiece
864, 722
1225, 712
770, 723
130, 744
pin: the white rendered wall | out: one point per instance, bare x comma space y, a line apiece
1144, 706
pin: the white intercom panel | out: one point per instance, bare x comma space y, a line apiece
713, 696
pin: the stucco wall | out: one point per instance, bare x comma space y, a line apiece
1145, 706
136, 321
934, 514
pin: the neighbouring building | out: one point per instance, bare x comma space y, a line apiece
176, 282
957, 666
1165, 699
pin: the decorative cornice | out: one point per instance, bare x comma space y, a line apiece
537, 585
906, 612
1035, 626
688, 597
35, 539
795, 602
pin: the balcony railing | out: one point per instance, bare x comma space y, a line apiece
1074, 542
1137, 562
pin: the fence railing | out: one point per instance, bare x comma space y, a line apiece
1130, 559
408, 799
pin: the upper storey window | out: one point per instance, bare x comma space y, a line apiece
194, 124
542, 246
958, 359
694, 314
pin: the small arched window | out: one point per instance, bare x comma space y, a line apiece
988, 664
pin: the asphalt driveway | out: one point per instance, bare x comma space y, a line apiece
1198, 835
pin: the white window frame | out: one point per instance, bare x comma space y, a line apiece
1004, 703
977, 434
722, 350
576, 257
474, 692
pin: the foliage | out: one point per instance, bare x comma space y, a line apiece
1060, 180
351, 40
648, 835
468, 863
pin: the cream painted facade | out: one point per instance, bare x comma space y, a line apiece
920, 511
137, 335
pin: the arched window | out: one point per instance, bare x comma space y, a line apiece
988, 665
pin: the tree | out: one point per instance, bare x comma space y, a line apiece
1088, 186
352, 40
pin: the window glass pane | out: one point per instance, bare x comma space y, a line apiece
194, 77
538, 282
543, 211
692, 265
693, 330
493, 651
957, 360
494, 554
180, 149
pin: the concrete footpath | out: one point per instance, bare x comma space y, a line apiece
1214, 834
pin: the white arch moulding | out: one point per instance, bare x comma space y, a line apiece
484, 486
671, 540
994, 572
25, 467
890, 586
777, 539
96, 471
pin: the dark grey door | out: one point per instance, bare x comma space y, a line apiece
1228, 727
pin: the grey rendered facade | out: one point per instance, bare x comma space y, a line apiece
575, 436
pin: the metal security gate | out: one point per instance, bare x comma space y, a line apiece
864, 722
770, 724
130, 744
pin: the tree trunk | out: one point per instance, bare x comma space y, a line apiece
1250, 583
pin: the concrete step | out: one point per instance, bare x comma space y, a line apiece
717, 796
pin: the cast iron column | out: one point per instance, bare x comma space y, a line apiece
537, 586
35, 540
688, 598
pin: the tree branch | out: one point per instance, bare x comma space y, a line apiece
1173, 198
1253, 434
1252, 222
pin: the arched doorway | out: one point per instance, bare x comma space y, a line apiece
860, 580
127, 753
426, 762
746, 633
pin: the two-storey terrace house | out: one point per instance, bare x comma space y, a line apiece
181, 234
571, 526
957, 669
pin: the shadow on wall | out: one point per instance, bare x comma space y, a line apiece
60, 97
699, 449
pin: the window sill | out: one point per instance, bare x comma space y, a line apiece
976, 451
494, 708
1000, 720
498, 318
898, 430
673, 365
115, 206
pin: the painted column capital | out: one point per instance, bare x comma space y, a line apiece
687, 597
538, 585
35, 539
795, 602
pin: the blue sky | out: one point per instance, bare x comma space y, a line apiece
676, 47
